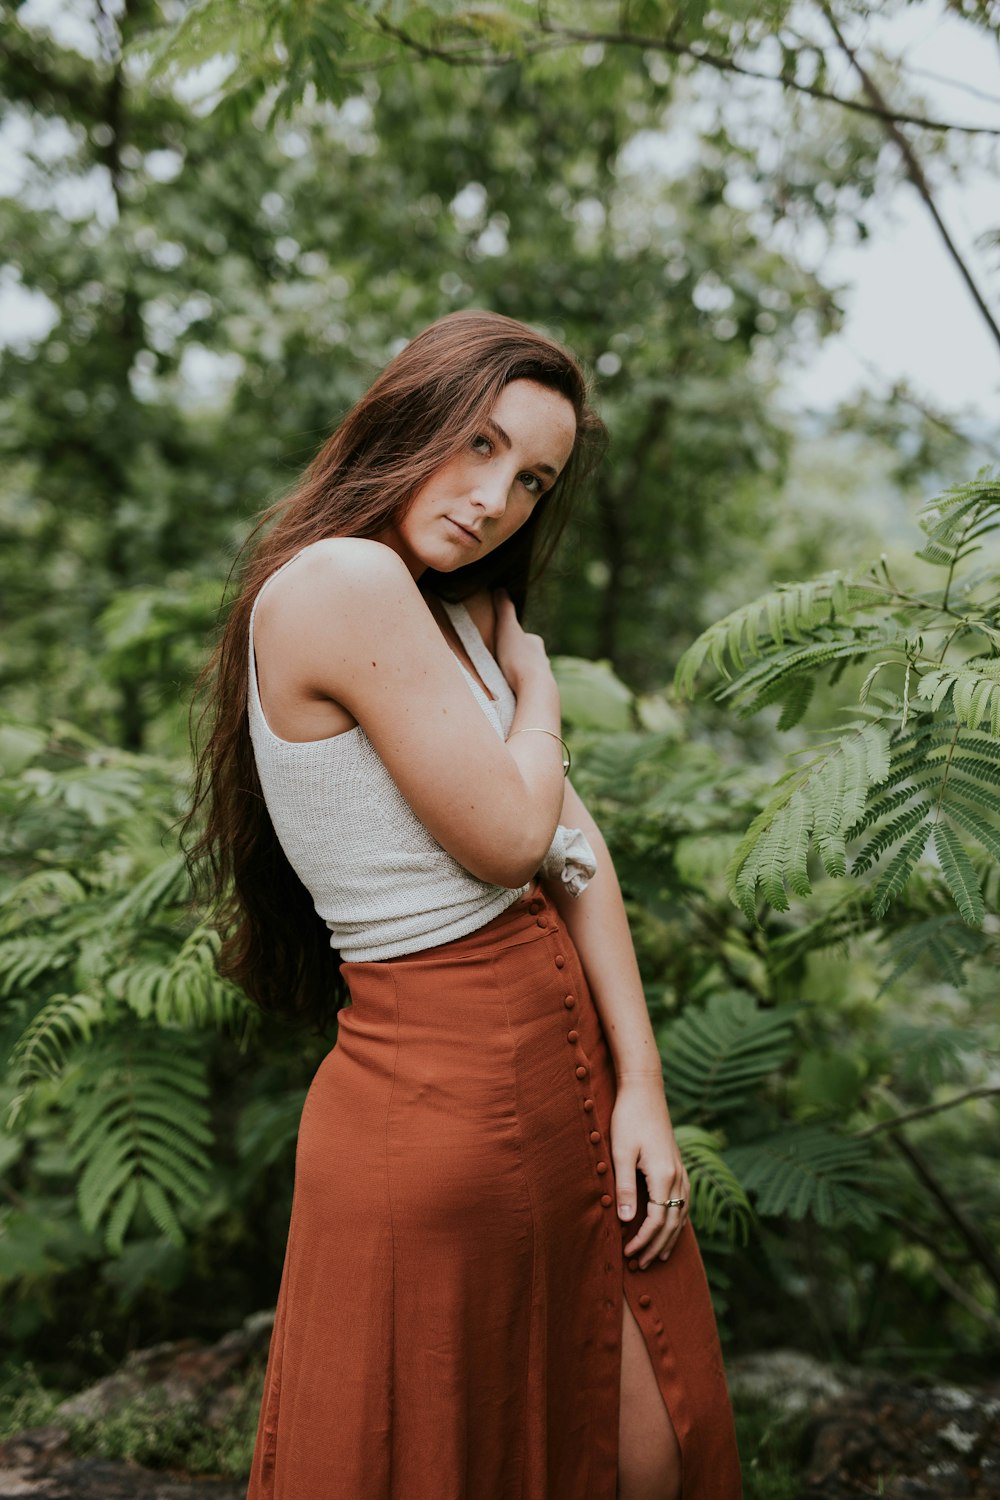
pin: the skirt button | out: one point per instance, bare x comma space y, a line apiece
541, 922
595, 1136
559, 961
645, 1300
588, 1105
602, 1167
569, 1002
581, 1071
606, 1203
633, 1264
572, 1036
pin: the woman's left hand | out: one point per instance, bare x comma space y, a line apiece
642, 1137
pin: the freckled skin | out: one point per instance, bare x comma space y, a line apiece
490, 489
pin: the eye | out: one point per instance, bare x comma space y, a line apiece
532, 484
482, 443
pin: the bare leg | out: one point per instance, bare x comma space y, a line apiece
649, 1459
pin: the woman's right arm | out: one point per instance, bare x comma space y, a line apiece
351, 623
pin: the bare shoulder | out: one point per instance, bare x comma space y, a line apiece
353, 561
483, 612
334, 575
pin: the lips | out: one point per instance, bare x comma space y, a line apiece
473, 536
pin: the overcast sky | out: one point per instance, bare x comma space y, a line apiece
908, 311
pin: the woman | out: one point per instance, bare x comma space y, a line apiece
491, 1289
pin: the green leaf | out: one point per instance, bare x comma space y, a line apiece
959, 874
807, 1170
718, 1201
715, 1058
899, 869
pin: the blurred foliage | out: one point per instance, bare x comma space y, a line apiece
220, 265
788, 1070
837, 1081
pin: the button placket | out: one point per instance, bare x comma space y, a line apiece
609, 1301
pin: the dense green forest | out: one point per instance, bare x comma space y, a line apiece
778, 641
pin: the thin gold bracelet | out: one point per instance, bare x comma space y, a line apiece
567, 759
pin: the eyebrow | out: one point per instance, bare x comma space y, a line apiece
497, 431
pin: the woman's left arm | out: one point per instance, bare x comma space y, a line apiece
641, 1133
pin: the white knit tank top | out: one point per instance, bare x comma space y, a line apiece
381, 883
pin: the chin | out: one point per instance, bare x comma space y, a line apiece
447, 560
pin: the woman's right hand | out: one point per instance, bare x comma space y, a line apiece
520, 655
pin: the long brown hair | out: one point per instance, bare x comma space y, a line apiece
423, 408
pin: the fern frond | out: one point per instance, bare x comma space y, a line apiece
25, 959
38, 895
807, 1169
974, 690
162, 1214
887, 798
187, 991
929, 1055
948, 520
121, 1216
890, 834
795, 695
164, 886
942, 942
140, 1121
821, 803
764, 682
984, 833
268, 1125
899, 869
100, 794
956, 866
785, 613
718, 1201
42, 1049
980, 746
714, 1058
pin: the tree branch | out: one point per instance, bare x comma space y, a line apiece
963, 1298
983, 1092
470, 53
913, 168
877, 108
973, 1236
480, 55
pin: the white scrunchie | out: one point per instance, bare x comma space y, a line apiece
571, 858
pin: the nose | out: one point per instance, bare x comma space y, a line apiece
489, 491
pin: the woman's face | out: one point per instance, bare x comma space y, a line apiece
477, 499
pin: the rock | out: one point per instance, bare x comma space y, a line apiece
785, 1378
867, 1433
183, 1373
200, 1380
39, 1462
905, 1442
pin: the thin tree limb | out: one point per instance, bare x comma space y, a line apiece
898, 393
14, 1196
973, 1236
913, 168
964, 1299
983, 1092
723, 64
571, 36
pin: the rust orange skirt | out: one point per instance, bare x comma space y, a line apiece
449, 1318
